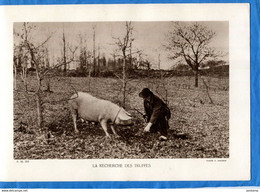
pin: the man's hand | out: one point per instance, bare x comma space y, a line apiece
147, 128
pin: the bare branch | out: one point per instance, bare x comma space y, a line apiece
207, 91
118, 77
190, 43
67, 99
44, 42
57, 66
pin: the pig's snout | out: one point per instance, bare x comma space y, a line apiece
124, 118
126, 122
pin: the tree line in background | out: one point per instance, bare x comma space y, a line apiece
188, 46
84, 61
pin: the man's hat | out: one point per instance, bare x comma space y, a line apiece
145, 93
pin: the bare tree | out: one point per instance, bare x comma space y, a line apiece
15, 64
64, 50
83, 55
98, 62
125, 46
16, 59
94, 50
161, 85
22, 58
38, 92
190, 42
35, 53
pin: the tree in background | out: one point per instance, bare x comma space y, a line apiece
125, 46
64, 50
191, 42
34, 54
85, 57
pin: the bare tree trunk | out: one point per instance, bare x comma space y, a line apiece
159, 66
114, 61
39, 110
94, 51
24, 77
130, 56
89, 80
196, 79
38, 95
124, 46
64, 52
89, 75
48, 81
98, 63
15, 76
162, 85
124, 81
207, 91
196, 76
38, 92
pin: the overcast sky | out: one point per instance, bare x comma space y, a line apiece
149, 37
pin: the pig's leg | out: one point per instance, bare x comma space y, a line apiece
74, 117
114, 131
74, 113
104, 126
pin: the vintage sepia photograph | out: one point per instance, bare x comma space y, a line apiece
121, 90
142, 92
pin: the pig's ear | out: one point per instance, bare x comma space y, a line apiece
128, 114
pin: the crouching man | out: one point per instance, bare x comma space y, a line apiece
157, 113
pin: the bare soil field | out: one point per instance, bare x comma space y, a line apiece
204, 125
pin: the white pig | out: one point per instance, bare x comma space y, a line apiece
93, 109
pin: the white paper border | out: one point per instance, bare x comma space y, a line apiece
236, 167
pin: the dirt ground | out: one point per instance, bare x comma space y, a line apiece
199, 127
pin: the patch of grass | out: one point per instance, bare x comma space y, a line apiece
204, 125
